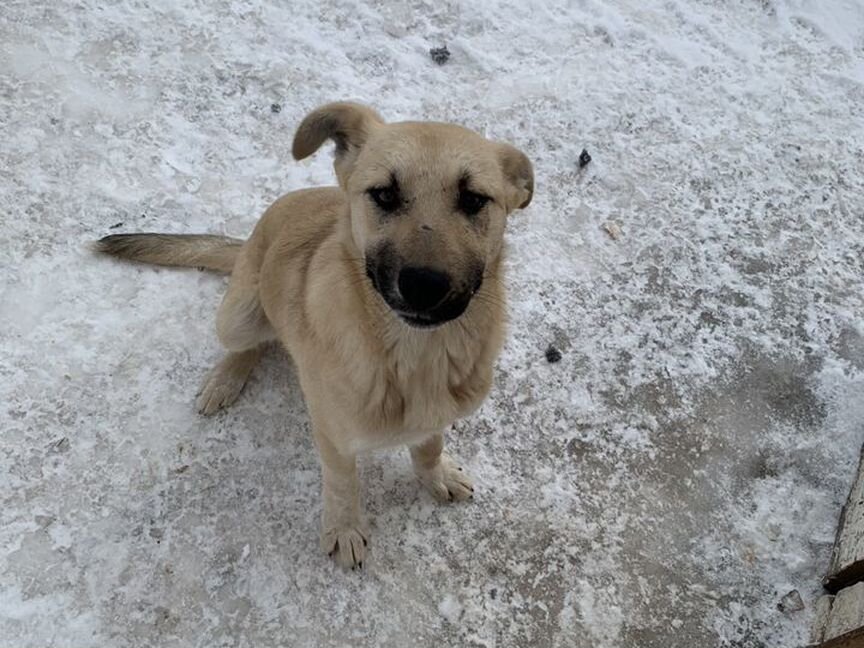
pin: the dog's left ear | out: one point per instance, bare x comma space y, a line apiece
519, 174
347, 124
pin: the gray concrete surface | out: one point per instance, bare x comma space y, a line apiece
666, 483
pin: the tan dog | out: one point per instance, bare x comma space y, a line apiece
386, 291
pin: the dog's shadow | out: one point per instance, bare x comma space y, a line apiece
257, 479
249, 474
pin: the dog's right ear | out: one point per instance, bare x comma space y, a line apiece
347, 124
519, 173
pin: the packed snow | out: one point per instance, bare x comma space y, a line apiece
666, 483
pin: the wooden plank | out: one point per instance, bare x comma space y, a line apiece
847, 612
821, 616
854, 639
847, 557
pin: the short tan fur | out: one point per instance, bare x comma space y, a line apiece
387, 291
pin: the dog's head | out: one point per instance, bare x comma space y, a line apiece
428, 204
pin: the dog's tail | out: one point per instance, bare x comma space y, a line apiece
184, 250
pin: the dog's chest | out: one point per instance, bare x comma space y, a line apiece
420, 390
431, 384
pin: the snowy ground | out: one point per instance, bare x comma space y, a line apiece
665, 484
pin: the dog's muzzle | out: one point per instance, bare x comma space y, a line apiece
423, 297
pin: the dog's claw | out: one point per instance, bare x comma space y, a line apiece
447, 482
345, 545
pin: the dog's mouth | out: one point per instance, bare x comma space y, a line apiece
420, 297
447, 311
417, 320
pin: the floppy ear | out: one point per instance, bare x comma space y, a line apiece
519, 174
347, 124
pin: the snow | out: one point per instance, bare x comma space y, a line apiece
667, 483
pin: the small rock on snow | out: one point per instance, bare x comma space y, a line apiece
791, 602
552, 354
440, 54
612, 229
584, 158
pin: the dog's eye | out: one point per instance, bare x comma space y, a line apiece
471, 203
387, 198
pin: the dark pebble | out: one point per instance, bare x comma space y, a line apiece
584, 158
440, 54
275, 108
552, 354
115, 226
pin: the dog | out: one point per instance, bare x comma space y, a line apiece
386, 290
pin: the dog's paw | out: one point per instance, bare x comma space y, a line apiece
446, 482
219, 390
347, 546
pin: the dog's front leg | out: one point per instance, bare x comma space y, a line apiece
438, 472
342, 534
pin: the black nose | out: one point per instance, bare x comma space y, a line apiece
423, 288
